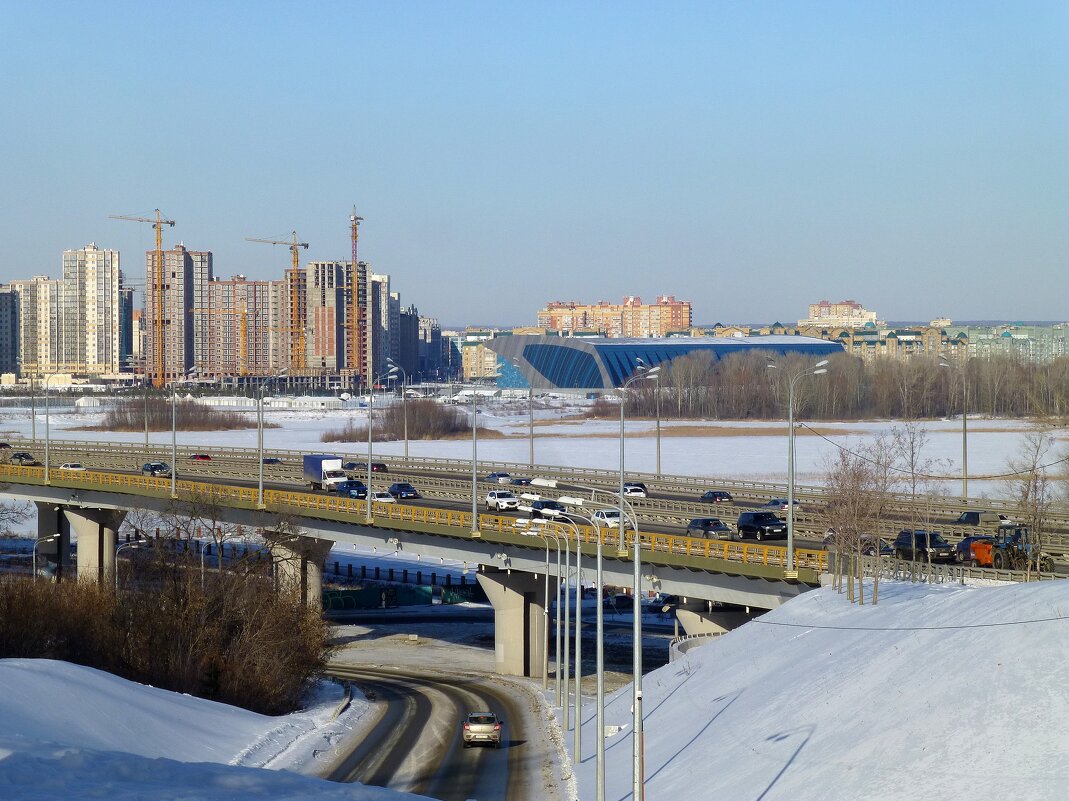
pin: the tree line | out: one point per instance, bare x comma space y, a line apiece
744, 386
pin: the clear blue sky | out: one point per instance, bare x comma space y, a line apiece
752, 157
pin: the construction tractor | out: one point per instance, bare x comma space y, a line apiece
1011, 548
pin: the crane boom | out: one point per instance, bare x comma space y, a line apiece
296, 330
157, 319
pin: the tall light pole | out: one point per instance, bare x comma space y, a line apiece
260, 435
964, 425
52, 538
48, 477
125, 546
638, 780
370, 428
577, 736
816, 369
657, 406
404, 398
174, 429
33, 411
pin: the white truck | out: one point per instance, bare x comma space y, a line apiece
323, 472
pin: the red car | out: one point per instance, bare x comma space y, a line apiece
200, 457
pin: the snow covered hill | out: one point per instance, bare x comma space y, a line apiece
71, 732
944, 692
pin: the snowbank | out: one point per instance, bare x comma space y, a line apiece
937, 692
73, 732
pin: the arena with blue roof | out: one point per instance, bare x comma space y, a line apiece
600, 363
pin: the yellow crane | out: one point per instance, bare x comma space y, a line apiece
157, 280
296, 327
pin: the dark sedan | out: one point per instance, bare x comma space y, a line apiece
352, 489
403, 490
710, 528
716, 496
963, 550
361, 467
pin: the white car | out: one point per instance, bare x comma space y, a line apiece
498, 478
72, 466
634, 489
382, 497
501, 499
610, 518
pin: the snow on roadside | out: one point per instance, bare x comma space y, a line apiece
824, 699
66, 728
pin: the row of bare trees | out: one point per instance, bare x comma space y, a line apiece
131, 415
742, 386
862, 478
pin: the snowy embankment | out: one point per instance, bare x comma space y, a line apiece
73, 732
942, 692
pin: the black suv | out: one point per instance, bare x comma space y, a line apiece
918, 544
548, 509
710, 528
761, 526
156, 469
351, 489
716, 496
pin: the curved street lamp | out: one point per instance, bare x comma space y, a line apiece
817, 369
404, 398
51, 538
260, 435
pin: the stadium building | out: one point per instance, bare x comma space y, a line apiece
599, 363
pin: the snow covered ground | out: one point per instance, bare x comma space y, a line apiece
944, 692
71, 732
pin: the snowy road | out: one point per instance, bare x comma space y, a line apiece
416, 746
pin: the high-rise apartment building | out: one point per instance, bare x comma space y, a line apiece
38, 324
90, 312
431, 350
239, 323
9, 330
632, 318
178, 318
325, 294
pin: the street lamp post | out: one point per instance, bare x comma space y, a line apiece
260, 436
964, 426
52, 538
48, 476
126, 545
816, 369
657, 406
33, 411
174, 429
474, 461
404, 398
638, 780
370, 428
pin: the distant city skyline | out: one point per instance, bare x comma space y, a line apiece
749, 158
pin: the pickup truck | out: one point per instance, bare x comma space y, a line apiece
323, 472
482, 727
990, 520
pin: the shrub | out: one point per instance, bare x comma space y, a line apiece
189, 416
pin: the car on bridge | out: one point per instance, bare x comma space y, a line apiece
402, 490
710, 528
920, 544
716, 496
498, 478
983, 519
272, 460
781, 504
72, 466
635, 489
521, 482
382, 497
351, 488
548, 509
24, 459
760, 526
501, 499
361, 467
610, 518
482, 727
156, 469
200, 457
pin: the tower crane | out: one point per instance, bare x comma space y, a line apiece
157, 282
296, 330
356, 314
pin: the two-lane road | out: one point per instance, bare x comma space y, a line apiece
416, 745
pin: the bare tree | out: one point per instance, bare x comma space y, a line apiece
1034, 492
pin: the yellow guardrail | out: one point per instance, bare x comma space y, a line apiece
292, 500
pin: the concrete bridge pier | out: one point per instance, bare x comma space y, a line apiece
298, 565
50, 522
703, 618
98, 534
519, 619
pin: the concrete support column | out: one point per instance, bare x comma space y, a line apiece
519, 620
299, 566
714, 621
98, 532
50, 522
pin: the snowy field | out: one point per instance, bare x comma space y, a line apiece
818, 699
748, 450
